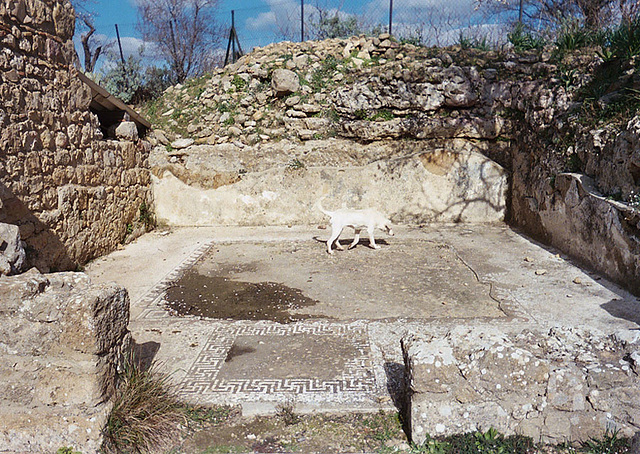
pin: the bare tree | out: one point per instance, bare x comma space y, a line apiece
184, 33
553, 13
91, 46
91, 52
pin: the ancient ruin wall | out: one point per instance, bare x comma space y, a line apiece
72, 193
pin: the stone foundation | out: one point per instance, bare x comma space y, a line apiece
564, 385
62, 341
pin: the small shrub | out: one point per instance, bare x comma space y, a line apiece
624, 41
569, 78
286, 412
146, 217
574, 35
468, 42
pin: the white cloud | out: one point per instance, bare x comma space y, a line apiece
262, 21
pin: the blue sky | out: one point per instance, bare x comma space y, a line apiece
259, 22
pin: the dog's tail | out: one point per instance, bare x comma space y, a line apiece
319, 207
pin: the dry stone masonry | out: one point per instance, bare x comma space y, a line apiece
70, 191
67, 194
563, 385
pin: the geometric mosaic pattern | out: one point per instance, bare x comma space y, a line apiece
153, 300
202, 382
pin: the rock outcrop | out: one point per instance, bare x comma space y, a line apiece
12, 253
518, 109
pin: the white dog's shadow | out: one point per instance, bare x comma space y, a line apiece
362, 242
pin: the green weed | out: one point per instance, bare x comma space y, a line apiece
67, 450
574, 35
624, 41
238, 82
286, 412
146, 217
469, 42
295, 164
522, 40
383, 114
610, 443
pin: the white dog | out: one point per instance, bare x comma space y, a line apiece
358, 220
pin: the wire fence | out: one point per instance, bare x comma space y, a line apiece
426, 22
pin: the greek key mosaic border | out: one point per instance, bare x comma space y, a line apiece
152, 300
202, 382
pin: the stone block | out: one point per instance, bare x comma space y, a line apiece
534, 389
284, 81
127, 130
12, 254
78, 334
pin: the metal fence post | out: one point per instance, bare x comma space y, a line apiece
390, 15
520, 12
301, 20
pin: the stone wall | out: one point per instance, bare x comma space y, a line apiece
73, 194
62, 342
562, 385
426, 183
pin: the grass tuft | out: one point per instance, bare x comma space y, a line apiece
146, 416
286, 413
610, 443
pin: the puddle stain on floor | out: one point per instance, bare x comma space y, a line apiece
224, 298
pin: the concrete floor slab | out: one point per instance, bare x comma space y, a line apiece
342, 350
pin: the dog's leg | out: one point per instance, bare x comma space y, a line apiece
356, 238
372, 241
335, 234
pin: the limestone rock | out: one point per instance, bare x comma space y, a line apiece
437, 185
12, 254
127, 130
179, 144
284, 81
63, 341
553, 386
